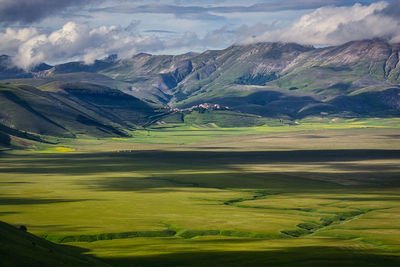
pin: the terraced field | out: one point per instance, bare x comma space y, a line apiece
312, 194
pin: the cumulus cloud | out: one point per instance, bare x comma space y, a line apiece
27, 11
11, 39
326, 25
29, 47
337, 25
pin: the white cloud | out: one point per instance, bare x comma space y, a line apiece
74, 41
337, 25
71, 41
11, 39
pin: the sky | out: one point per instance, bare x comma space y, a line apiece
55, 31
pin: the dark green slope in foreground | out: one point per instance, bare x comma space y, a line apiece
22, 249
69, 109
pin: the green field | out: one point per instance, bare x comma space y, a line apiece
321, 192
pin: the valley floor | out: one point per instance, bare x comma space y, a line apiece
311, 194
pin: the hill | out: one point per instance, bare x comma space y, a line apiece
271, 79
35, 251
70, 109
359, 78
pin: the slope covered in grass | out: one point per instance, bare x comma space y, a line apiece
269, 79
20, 248
72, 109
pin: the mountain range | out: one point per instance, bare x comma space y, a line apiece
285, 80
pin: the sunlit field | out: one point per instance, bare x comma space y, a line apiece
323, 192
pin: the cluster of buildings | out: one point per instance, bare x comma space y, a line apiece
203, 106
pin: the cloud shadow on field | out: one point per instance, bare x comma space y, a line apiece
4, 213
35, 201
299, 182
61, 228
159, 160
214, 169
287, 256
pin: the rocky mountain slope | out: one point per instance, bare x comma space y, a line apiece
359, 78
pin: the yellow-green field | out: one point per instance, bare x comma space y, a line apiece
317, 193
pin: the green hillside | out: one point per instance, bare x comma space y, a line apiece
71, 109
270, 79
35, 251
278, 80
222, 118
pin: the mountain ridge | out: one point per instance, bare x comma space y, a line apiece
358, 78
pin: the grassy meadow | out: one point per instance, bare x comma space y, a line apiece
321, 192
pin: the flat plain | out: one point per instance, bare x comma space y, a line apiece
320, 192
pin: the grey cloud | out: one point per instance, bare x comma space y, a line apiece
153, 8
393, 9
198, 16
28, 11
160, 31
283, 5
133, 26
265, 6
